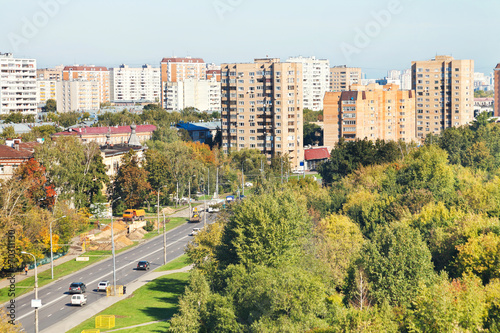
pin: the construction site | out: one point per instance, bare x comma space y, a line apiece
124, 233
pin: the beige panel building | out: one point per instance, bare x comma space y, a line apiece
497, 91
78, 96
372, 112
262, 108
46, 89
90, 73
179, 69
444, 90
343, 77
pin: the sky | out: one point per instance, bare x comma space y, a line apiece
376, 35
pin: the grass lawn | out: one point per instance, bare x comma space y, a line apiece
154, 301
174, 222
177, 263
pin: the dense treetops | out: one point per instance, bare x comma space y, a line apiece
404, 239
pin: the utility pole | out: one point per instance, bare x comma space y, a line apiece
208, 192
281, 158
158, 213
189, 199
242, 181
51, 248
113, 248
164, 241
217, 184
36, 292
177, 195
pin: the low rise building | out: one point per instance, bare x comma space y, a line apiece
13, 154
202, 131
313, 156
117, 134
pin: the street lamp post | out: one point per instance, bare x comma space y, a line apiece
51, 248
164, 241
113, 247
36, 290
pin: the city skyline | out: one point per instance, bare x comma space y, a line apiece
358, 34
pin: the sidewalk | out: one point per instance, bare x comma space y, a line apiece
91, 310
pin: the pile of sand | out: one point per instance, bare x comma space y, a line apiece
122, 242
167, 211
118, 227
137, 234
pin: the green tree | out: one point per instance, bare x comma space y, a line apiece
481, 256
8, 133
313, 134
76, 170
51, 105
269, 230
131, 182
396, 262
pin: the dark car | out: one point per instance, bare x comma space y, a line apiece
77, 288
144, 265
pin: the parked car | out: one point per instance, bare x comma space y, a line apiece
77, 288
79, 300
213, 209
144, 265
102, 285
298, 171
248, 184
195, 231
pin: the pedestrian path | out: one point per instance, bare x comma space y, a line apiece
93, 309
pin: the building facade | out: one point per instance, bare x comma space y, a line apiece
18, 88
53, 74
93, 74
444, 90
316, 81
343, 77
372, 112
179, 69
262, 108
135, 84
46, 89
203, 95
78, 95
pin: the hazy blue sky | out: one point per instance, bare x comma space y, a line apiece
135, 32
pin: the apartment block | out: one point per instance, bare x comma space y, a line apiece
179, 69
262, 108
497, 91
90, 73
53, 74
203, 95
444, 90
17, 84
46, 89
135, 84
343, 77
78, 95
372, 112
316, 81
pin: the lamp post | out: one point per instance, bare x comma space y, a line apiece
164, 241
36, 290
51, 248
113, 247
158, 209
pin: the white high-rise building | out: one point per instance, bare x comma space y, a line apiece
203, 95
316, 81
135, 84
406, 80
18, 88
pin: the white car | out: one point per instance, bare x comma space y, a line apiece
298, 171
213, 209
79, 299
102, 285
248, 184
195, 231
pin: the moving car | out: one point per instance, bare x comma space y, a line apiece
194, 232
102, 285
79, 300
143, 264
77, 288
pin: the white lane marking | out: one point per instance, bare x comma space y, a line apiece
63, 296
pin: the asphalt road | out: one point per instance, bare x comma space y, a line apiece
56, 302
